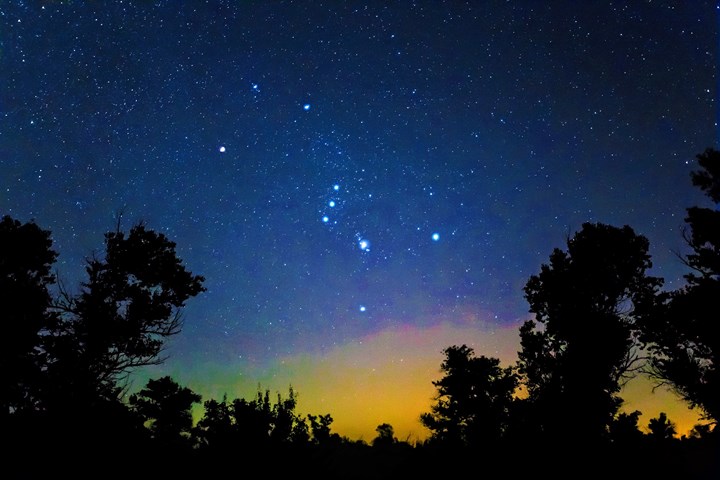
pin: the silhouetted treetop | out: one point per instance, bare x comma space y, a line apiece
704, 223
166, 407
385, 435
681, 331
708, 177
661, 427
587, 300
473, 399
257, 423
129, 305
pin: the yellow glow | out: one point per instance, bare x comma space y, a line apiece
383, 378
387, 378
639, 395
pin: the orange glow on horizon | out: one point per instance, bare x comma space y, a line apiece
387, 378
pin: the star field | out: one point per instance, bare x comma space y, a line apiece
340, 170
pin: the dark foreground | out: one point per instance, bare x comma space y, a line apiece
686, 459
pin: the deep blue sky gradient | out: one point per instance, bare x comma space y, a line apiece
500, 126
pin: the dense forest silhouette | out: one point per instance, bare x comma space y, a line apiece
599, 319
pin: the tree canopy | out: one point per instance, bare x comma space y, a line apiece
582, 341
682, 330
474, 399
67, 354
166, 408
130, 304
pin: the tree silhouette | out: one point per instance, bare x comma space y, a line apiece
320, 429
64, 359
26, 257
385, 437
283, 418
581, 343
129, 306
661, 428
165, 407
701, 431
682, 331
473, 400
216, 428
624, 429
253, 424
254, 419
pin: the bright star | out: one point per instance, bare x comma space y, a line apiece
222, 149
325, 219
362, 308
306, 107
336, 187
331, 203
364, 245
436, 237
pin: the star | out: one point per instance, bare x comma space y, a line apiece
364, 245
222, 149
306, 107
435, 237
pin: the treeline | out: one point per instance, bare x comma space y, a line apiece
599, 319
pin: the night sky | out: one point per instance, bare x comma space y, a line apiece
362, 184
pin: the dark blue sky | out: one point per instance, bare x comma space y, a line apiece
232, 126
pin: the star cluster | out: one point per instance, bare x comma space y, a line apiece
340, 169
